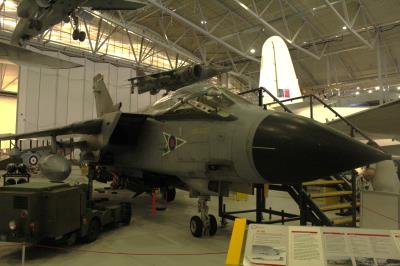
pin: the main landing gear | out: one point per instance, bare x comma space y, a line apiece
77, 34
206, 224
35, 24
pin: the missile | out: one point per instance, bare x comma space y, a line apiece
174, 79
55, 167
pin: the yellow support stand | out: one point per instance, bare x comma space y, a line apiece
241, 196
266, 190
234, 256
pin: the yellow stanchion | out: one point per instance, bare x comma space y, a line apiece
84, 170
241, 196
234, 256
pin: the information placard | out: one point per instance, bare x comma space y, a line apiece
330, 246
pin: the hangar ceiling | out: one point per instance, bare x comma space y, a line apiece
333, 43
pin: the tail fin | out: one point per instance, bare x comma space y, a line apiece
277, 72
104, 103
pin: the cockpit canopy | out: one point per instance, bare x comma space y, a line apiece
204, 98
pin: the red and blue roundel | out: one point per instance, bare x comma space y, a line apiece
172, 143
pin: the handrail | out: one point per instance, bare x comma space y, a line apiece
353, 127
270, 94
289, 100
248, 91
280, 102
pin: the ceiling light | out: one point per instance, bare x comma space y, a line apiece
377, 88
252, 50
243, 5
203, 22
344, 28
398, 88
370, 91
357, 93
358, 88
305, 42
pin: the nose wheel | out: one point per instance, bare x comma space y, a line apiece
205, 224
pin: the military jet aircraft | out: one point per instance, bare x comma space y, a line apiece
205, 139
36, 16
175, 78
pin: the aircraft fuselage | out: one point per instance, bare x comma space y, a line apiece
30, 11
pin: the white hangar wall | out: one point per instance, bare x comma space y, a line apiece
51, 98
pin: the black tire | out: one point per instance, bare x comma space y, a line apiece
11, 181
213, 224
38, 25
93, 231
170, 194
69, 239
11, 168
21, 181
35, 24
126, 213
82, 36
75, 34
196, 226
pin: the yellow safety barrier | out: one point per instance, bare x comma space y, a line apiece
234, 256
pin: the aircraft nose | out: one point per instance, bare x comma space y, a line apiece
289, 148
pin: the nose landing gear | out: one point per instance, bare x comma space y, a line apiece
206, 224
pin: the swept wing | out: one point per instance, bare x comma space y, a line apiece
378, 122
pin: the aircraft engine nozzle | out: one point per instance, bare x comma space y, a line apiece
289, 148
55, 167
198, 71
27, 9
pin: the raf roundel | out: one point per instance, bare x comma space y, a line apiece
172, 143
33, 160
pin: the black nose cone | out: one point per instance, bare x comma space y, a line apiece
291, 149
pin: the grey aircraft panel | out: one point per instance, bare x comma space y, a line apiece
11, 54
90, 127
113, 4
378, 122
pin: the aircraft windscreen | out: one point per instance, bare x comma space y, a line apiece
200, 97
235, 97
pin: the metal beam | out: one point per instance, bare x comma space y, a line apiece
274, 30
147, 33
349, 27
201, 30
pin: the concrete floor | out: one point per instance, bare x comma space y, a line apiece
166, 232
